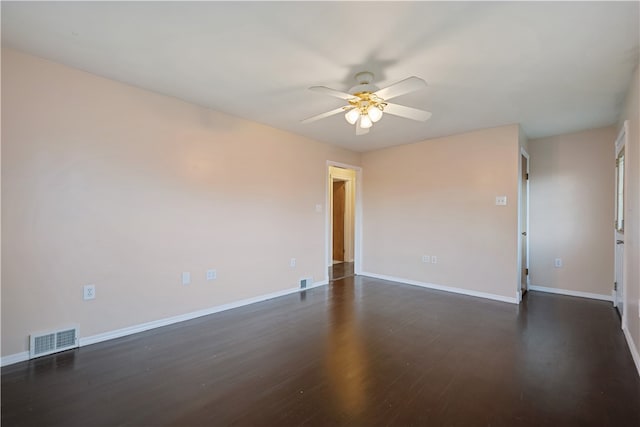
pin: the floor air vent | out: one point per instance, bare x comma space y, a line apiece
305, 282
53, 342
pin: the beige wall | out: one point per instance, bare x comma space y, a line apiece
632, 212
107, 184
571, 214
437, 197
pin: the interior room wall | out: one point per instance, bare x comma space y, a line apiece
571, 215
632, 215
438, 198
107, 184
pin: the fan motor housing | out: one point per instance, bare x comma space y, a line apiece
364, 80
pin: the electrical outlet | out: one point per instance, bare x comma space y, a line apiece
186, 278
211, 275
292, 263
318, 208
434, 259
426, 258
558, 263
88, 292
501, 200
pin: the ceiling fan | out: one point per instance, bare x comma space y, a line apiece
367, 103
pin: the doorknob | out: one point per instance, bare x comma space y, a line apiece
619, 242
524, 233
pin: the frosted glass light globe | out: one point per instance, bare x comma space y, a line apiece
365, 121
374, 114
352, 116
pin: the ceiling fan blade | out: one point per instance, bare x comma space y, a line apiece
332, 92
407, 85
360, 130
323, 115
407, 112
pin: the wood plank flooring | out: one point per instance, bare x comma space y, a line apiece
359, 352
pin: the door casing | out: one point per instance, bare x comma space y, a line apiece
618, 270
523, 205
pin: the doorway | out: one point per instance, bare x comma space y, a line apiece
523, 220
339, 201
342, 221
619, 299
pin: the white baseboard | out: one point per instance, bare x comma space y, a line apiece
512, 300
571, 293
632, 348
94, 339
315, 285
14, 358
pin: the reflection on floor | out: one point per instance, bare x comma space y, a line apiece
340, 271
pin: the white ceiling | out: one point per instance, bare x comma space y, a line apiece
553, 67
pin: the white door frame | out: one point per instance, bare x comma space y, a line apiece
524, 153
621, 143
357, 226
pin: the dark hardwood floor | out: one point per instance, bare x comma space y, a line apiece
359, 352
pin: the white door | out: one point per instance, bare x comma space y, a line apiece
619, 285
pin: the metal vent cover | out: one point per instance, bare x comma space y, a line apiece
305, 282
44, 344
52, 342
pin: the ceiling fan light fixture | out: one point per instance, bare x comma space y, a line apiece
374, 113
352, 116
365, 121
366, 104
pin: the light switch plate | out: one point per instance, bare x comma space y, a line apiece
186, 278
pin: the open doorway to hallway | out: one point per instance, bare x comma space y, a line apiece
342, 204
